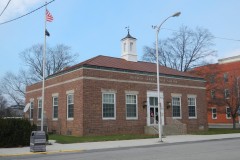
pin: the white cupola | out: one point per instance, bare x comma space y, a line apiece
129, 49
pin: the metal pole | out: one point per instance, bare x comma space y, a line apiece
158, 81
158, 91
43, 69
238, 89
238, 100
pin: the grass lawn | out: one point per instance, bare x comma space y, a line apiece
212, 131
74, 139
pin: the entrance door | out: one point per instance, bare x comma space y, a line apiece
152, 108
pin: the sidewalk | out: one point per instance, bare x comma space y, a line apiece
78, 147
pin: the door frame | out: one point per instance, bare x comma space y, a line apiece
154, 94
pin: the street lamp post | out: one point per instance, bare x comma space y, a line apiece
238, 99
238, 88
157, 28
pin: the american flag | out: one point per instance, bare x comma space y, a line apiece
49, 17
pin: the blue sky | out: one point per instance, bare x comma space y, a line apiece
95, 27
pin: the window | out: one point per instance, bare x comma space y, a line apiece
108, 106
131, 46
31, 110
214, 113
192, 107
228, 113
55, 107
153, 101
176, 107
225, 77
124, 47
213, 94
70, 106
39, 108
131, 106
226, 93
212, 78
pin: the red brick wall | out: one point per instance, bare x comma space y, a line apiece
88, 87
218, 69
62, 125
92, 88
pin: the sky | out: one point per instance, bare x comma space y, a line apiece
95, 27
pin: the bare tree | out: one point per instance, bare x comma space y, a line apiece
3, 105
221, 91
231, 98
58, 58
13, 86
184, 50
3, 102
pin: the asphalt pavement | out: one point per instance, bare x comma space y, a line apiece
78, 147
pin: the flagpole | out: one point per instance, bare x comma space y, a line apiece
43, 65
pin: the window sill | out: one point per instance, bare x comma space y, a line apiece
134, 119
70, 119
108, 118
55, 119
176, 117
192, 117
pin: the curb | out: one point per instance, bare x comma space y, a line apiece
35, 153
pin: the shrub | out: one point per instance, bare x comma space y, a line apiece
15, 132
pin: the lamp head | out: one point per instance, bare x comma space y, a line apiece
176, 14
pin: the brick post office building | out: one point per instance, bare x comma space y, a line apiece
106, 95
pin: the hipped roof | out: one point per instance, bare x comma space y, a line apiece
122, 64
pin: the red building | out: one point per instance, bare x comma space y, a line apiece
222, 91
106, 95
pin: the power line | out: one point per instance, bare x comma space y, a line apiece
27, 13
5, 7
229, 39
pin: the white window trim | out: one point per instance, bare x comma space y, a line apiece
226, 113
109, 92
213, 94
180, 97
212, 78
39, 98
31, 107
215, 113
70, 92
225, 95
176, 95
71, 118
54, 96
193, 96
225, 77
131, 92
132, 118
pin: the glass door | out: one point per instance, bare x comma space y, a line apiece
153, 110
